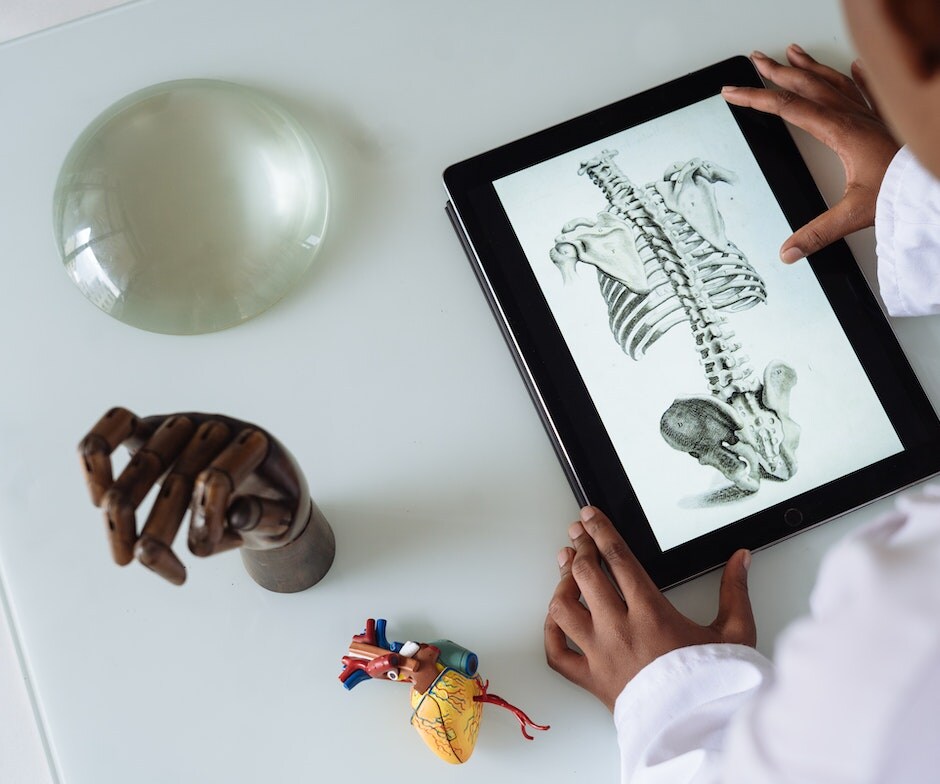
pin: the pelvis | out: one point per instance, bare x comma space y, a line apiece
749, 437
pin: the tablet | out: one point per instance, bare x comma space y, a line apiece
703, 394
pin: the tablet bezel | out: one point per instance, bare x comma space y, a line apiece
568, 412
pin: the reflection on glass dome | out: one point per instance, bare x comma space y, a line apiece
190, 206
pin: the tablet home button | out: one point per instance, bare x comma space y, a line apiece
793, 517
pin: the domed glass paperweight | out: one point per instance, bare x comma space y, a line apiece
190, 206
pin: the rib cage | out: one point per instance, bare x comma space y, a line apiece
637, 321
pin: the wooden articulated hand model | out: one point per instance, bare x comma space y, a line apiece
243, 488
447, 694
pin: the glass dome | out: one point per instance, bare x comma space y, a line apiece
190, 206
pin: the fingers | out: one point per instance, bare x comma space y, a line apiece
131, 487
631, 578
95, 449
160, 558
735, 620
814, 118
806, 83
596, 587
813, 96
566, 662
565, 609
153, 549
843, 84
854, 212
214, 488
202, 470
567, 617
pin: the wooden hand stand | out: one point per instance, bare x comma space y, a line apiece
243, 487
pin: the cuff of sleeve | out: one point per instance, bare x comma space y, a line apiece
885, 233
712, 679
907, 222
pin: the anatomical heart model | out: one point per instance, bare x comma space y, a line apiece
663, 258
447, 695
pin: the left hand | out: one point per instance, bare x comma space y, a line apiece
837, 110
627, 622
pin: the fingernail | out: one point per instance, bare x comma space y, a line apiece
759, 55
563, 556
575, 530
797, 48
791, 254
728, 90
587, 513
746, 560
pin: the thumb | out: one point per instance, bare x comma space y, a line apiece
735, 621
855, 211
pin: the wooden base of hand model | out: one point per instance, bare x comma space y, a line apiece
243, 487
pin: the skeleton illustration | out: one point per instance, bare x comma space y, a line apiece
663, 258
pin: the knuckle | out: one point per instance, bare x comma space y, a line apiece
738, 585
785, 99
816, 238
616, 553
555, 611
115, 501
583, 568
91, 445
596, 523
846, 84
148, 550
806, 80
553, 660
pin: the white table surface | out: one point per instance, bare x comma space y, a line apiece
383, 372
22, 754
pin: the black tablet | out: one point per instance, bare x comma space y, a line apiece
702, 393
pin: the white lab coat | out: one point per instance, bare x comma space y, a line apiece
854, 697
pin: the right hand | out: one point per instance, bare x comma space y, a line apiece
624, 622
837, 110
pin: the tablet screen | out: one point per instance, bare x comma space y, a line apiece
721, 374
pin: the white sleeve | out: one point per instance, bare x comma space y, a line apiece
855, 698
907, 228
672, 717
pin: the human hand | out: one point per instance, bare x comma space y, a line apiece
242, 485
627, 622
838, 111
